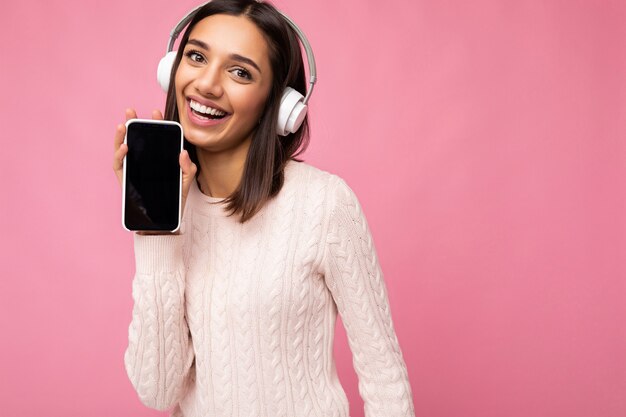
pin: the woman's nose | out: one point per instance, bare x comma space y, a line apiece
209, 81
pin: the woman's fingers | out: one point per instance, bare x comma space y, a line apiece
120, 132
186, 164
118, 161
189, 169
156, 115
120, 149
189, 172
119, 155
131, 114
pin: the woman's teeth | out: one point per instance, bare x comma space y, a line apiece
206, 112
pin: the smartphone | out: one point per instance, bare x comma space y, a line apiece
152, 177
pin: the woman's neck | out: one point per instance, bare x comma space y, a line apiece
221, 172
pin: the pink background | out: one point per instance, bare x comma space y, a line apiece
484, 139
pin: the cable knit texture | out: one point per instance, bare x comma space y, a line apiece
238, 320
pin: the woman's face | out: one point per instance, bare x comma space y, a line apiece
222, 82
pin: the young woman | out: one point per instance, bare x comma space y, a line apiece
234, 315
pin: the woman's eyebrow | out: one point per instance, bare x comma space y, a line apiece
235, 57
198, 43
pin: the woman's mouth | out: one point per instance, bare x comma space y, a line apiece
206, 112
205, 115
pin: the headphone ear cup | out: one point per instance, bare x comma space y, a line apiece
164, 70
292, 112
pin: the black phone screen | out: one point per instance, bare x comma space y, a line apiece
152, 181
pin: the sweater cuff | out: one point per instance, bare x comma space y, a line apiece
158, 253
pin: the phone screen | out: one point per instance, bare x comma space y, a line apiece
152, 176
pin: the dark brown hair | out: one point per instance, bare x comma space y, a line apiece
263, 173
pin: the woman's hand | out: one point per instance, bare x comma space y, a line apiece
188, 167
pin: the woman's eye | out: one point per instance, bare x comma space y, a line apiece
242, 73
194, 55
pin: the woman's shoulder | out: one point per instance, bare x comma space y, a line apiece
300, 172
320, 185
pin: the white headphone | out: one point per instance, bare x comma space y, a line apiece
293, 106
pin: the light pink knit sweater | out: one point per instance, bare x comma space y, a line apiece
239, 320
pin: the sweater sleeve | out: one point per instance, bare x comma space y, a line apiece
355, 280
159, 356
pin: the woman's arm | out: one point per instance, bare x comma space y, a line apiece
355, 279
160, 352
159, 355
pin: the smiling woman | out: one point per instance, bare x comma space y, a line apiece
236, 59
218, 75
236, 316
